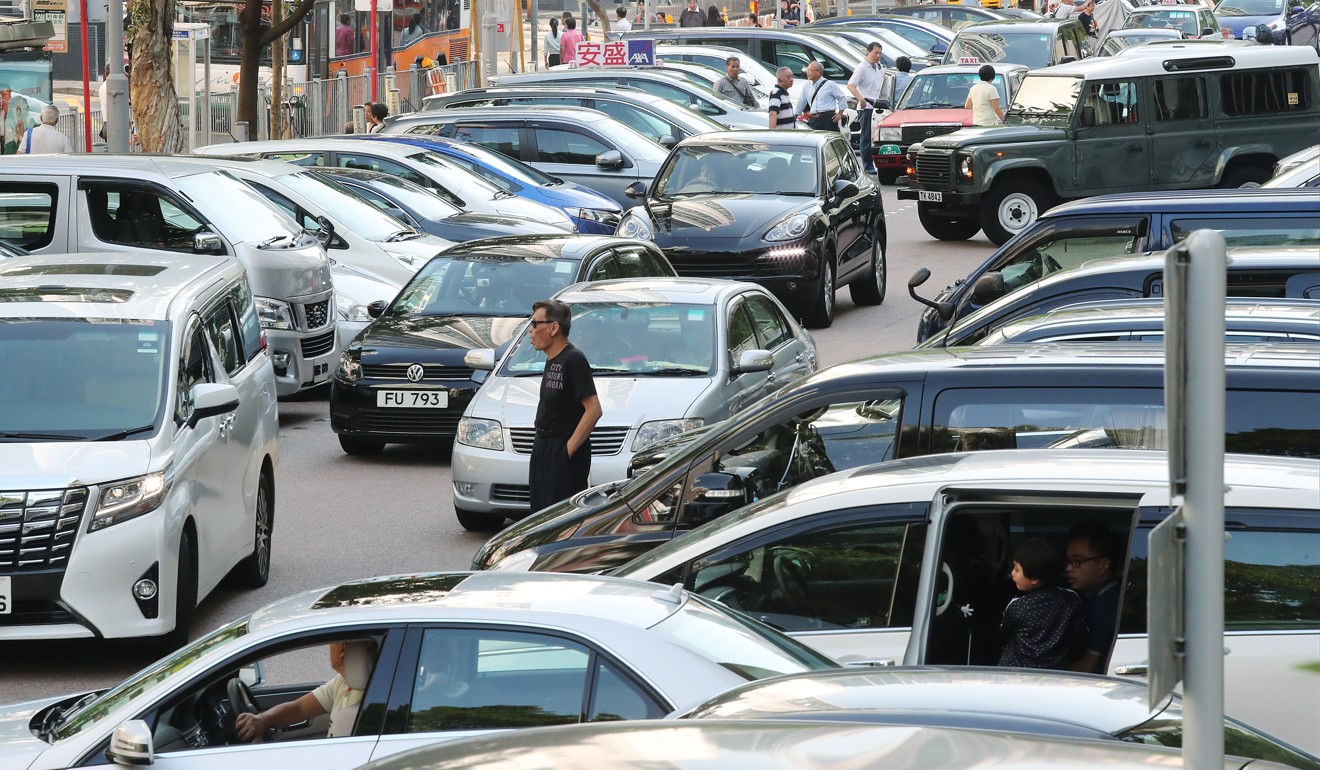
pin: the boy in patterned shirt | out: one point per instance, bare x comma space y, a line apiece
1043, 628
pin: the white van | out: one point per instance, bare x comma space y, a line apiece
57, 204
138, 442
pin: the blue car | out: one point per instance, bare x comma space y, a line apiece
592, 212
1291, 22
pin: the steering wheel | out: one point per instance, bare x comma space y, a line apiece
240, 697
790, 574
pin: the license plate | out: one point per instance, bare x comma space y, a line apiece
6, 595
320, 372
889, 149
412, 399
930, 196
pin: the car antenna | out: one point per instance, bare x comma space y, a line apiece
672, 596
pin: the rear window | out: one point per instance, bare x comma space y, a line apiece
1265, 92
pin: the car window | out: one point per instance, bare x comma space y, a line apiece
833, 165
605, 269
223, 331
384, 165
644, 123
139, 216
1069, 247
501, 137
843, 576
1180, 99
194, 369
241, 300
430, 129
298, 158
636, 263
1253, 231
849, 167
1037, 418
1113, 102
27, 214
786, 53
1266, 91
771, 327
742, 331
566, 145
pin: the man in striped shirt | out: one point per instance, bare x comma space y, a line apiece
781, 103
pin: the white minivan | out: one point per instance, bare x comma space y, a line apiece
139, 439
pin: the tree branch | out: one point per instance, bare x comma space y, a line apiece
295, 16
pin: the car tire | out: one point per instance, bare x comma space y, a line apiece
1243, 175
1011, 207
254, 571
821, 313
476, 521
870, 288
358, 446
185, 599
944, 228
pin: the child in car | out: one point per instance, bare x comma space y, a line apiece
1042, 628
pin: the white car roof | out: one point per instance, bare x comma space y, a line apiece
389, 149
687, 290
1156, 55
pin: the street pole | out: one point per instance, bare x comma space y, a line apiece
371, 68
87, 84
116, 89
534, 21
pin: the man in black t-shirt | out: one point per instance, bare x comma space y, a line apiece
1091, 559
567, 412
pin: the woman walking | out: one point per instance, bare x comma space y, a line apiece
552, 44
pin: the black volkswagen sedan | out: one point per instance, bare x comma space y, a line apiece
790, 210
403, 379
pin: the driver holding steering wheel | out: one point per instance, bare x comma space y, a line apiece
340, 697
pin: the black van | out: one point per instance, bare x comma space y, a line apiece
1135, 223
909, 404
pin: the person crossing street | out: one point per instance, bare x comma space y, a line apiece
567, 412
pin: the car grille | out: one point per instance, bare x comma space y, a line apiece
511, 493
316, 314
935, 172
318, 345
604, 441
37, 528
429, 372
36, 613
921, 131
423, 422
700, 264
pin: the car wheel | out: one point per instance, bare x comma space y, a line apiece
357, 446
1011, 207
821, 314
946, 228
870, 288
475, 521
1244, 175
254, 571
185, 600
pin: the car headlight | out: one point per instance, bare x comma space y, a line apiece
891, 134
273, 313
521, 561
659, 430
482, 434
635, 226
407, 260
789, 228
349, 310
965, 167
130, 498
597, 215
350, 368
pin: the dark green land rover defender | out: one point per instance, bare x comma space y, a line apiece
1159, 117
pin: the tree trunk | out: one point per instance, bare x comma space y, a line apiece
151, 89
600, 14
256, 39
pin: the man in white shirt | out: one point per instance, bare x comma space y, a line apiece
866, 84
822, 104
45, 138
622, 24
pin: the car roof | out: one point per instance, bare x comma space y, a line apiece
1191, 201
619, 93
761, 136
1160, 57
582, 114
1171, 34
310, 143
106, 285
1174, 7
970, 69
1146, 314
1014, 25
134, 165
708, 291
545, 246
1238, 257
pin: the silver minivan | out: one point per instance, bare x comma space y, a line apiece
56, 204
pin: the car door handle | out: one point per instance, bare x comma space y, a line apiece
1132, 669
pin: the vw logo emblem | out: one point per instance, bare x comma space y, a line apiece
416, 373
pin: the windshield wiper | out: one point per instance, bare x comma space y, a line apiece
610, 370
403, 235
123, 434
274, 239
57, 716
502, 194
678, 370
930, 106
38, 436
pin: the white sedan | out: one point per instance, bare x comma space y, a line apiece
425, 658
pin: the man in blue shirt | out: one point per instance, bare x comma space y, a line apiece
823, 103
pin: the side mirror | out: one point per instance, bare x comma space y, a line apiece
377, 309
945, 309
989, 288
754, 361
253, 674
1067, 59
668, 141
845, 189
1207, 32
713, 495
636, 190
939, 49
327, 232
211, 399
609, 159
207, 242
130, 744
1086, 118
883, 104
481, 359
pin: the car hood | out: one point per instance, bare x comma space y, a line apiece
59, 464
1238, 23
573, 195
497, 222
517, 207
722, 216
624, 401
971, 137
284, 273
356, 286
550, 525
414, 333
921, 117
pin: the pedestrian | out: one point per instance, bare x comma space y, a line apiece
1086, 17
822, 104
733, 87
901, 79
781, 102
348, 127
567, 411
375, 114
621, 24
692, 16
552, 39
753, 20
866, 83
794, 16
983, 99
1090, 566
568, 42
713, 17
1043, 628
344, 35
413, 32
45, 138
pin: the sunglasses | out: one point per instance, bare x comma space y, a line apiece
539, 323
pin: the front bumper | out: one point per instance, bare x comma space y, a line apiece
354, 412
302, 360
487, 481
790, 271
942, 200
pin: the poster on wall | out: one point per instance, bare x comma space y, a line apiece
57, 13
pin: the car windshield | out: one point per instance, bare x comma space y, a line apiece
458, 179
1249, 8
944, 90
346, 206
418, 198
482, 286
642, 565
497, 163
1045, 100
1240, 740
80, 715
635, 339
1183, 21
1032, 49
729, 168
1115, 43
80, 379
241, 213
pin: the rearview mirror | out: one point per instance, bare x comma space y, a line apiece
989, 288
945, 309
211, 399
481, 359
130, 744
1207, 32
636, 190
754, 361
1086, 118
376, 309
207, 242
668, 141
713, 495
845, 189
609, 159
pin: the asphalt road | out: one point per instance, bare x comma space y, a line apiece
340, 518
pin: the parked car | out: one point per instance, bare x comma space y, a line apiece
773, 48
138, 443
652, 116
908, 561
1132, 223
932, 105
1120, 124
758, 76
932, 37
657, 349
451, 180
1301, 169
1032, 43
898, 406
1142, 320
572, 143
1025, 702
447, 655
953, 16
1291, 274
403, 379
1294, 22
790, 210
1121, 39
1192, 20
894, 44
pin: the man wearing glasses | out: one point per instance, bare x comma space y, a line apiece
1091, 555
567, 412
